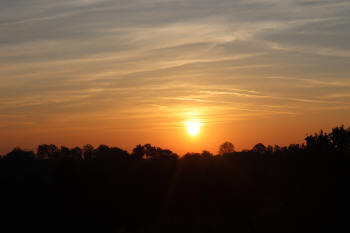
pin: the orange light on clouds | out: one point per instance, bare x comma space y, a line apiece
185, 85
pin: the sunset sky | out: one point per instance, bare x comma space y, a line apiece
123, 73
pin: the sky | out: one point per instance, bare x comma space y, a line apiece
123, 73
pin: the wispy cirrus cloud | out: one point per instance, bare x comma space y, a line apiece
245, 59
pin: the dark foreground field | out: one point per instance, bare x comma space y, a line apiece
299, 188
238, 192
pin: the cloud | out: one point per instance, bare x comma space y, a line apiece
65, 59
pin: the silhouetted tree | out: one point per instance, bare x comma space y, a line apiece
294, 148
139, 152
259, 148
88, 152
166, 154
206, 154
192, 156
226, 148
150, 151
106, 153
340, 139
47, 151
276, 148
64, 153
117, 153
269, 149
76, 153
320, 142
19, 154
102, 152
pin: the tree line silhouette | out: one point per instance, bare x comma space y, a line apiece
337, 141
295, 188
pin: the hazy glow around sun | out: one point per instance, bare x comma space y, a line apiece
193, 127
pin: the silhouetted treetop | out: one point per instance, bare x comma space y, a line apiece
337, 142
259, 148
148, 151
47, 151
107, 153
226, 148
89, 152
340, 139
20, 155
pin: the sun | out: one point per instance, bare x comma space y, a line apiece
193, 127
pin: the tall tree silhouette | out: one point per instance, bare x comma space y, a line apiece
88, 151
340, 139
138, 152
226, 148
47, 151
153, 152
206, 154
259, 148
319, 142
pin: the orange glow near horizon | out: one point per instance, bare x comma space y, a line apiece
151, 75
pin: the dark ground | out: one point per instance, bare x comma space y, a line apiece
240, 192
